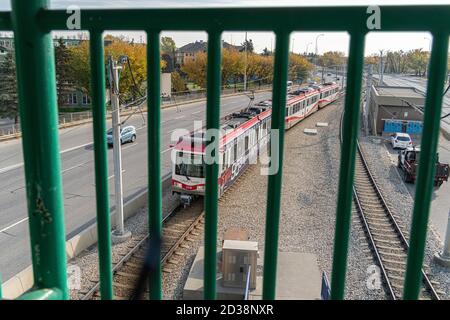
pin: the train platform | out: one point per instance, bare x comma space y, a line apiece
298, 278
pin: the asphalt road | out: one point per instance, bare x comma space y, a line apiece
440, 204
78, 176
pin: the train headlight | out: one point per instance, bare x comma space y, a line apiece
178, 184
201, 188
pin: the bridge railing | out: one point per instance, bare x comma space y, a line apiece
32, 23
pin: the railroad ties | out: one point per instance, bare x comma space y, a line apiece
384, 232
182, 227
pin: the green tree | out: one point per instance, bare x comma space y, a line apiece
249, 45
168, 45
64, 72
417, 61
8, 89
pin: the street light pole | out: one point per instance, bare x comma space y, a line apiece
316, 53
307, 47
245, 64
119, 234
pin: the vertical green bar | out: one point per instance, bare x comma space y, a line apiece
101, 165
154, 155
39, 122
427, 165
347, 166
212, 169
274, 184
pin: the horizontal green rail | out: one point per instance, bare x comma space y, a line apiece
32, 23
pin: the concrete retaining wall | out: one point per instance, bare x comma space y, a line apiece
23, 281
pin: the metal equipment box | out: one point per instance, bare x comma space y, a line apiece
238, 256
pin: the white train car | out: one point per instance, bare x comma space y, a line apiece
245, 134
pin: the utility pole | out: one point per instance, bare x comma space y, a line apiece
443, 258
316, 53
245, 64
366, 106
380, 83
307, 47
119, 234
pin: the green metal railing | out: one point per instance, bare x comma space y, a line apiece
32, 23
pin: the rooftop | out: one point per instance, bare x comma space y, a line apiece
401, 92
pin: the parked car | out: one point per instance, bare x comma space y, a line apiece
127, 134
401, 140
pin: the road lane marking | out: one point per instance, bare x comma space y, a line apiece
13, 225
177, 118
113, 175
168, 149
9, 168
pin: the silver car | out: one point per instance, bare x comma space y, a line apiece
127, 134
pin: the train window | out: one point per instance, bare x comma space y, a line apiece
191, 166
235, 149
246, 143
223, 161
264, 124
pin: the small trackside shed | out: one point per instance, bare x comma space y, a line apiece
395, 109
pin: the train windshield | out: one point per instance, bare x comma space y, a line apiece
190, 165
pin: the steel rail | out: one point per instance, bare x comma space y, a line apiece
391, 217
128, 256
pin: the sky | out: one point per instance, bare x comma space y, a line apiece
300, 42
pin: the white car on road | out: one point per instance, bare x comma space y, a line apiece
401, 140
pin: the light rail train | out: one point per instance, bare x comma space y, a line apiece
244, 135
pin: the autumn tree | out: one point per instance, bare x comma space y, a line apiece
331, 58
178, 83
260, 67
299, 67
8, 88
232, 65
195, 69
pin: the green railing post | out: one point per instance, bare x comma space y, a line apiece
212, 169
347, 164
101, 165
274, 180
39, 122
154, 156
427, 165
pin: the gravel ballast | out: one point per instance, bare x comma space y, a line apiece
401, 203
308, 210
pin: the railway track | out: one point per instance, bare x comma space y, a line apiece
386, 239
179, 229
